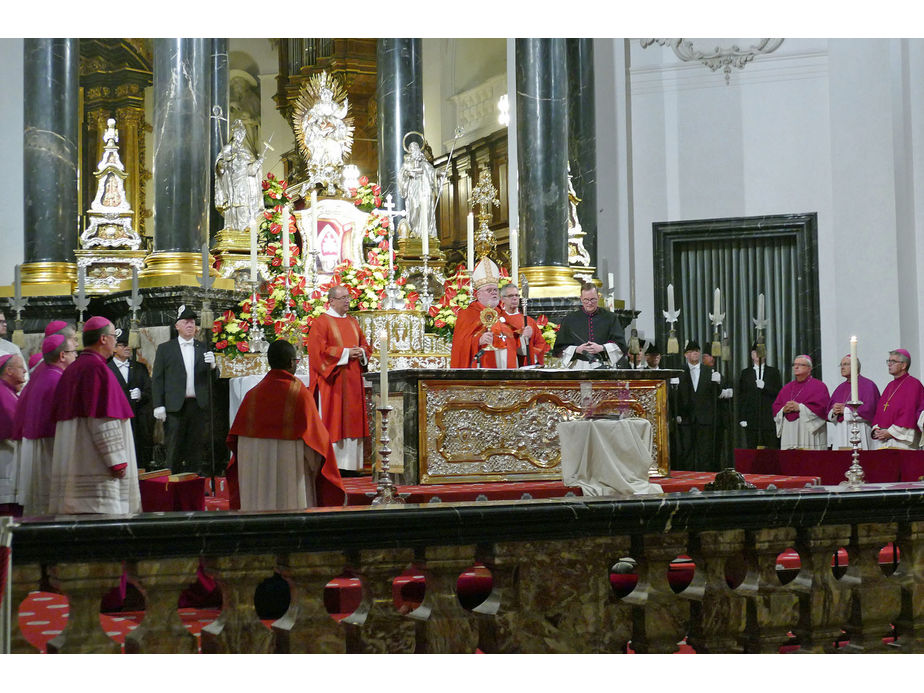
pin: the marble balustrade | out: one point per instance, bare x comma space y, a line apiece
550, 562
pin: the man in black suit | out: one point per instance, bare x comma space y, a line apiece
697, 398
758, 387
180, 387
136, 384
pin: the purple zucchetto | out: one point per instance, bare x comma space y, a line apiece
34, 359
54, 327
4, 359
51, 343
97, 322
903, 352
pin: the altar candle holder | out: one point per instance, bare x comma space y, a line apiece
854, 474
426, 298
386, 492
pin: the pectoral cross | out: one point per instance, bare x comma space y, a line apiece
885, 406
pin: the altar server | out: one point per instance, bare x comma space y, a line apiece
800, 410
337, 356
282, 454
93, 467
895, 424
12, 377
35, 424
842, 416
480, 339
531, 346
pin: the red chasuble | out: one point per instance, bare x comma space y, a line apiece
339, 388
468, 331
279, 407
900, 404
536, 348
811, 392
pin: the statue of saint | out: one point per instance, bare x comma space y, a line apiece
417, 185
238, 181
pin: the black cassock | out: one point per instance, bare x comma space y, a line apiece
601, 327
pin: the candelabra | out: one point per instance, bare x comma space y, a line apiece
854, 475
386, 491
256, 342
426, 298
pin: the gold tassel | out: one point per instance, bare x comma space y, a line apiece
673, 346
134, 340
79, 335
633, 343
717, 349
19, 339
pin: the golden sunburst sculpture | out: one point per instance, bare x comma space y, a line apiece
323, 129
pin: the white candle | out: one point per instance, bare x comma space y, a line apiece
253, 254
313, 236
285, 239
718, 303
854, 385
383, 368
471, 241
670, 299
760, 307
610, 282
425, 244
514, 254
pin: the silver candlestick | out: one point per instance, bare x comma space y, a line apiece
854, 474
426, 298
386, 491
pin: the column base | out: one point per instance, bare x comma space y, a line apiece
176, 269
48, 278
551, 281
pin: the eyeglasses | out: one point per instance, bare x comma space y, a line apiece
590, 300
891, 361
804, 365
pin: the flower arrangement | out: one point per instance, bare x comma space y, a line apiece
368, 196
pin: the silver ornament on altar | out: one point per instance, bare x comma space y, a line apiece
238, 181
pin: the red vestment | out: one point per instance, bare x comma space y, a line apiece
338, 388
536, 347
468, 331
280, 407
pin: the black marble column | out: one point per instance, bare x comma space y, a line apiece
182, 98
218, 126
50, 119
542, 150
399, 84
582, 140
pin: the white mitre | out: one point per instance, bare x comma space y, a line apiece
485, 273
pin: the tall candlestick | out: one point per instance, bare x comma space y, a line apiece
718, 303
253, 254
610, 282
383, 368
514, 254
285, 239
471, 241
670, 299
313, 236
854, 385
760, 307
425, 244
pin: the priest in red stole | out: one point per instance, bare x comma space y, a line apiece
35, 425
337, 356
843, 416
479, 338
800, 410
531, 345
93, 465
282, 458
895, 424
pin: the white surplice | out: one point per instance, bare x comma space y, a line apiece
84, 451
8, 471
808, 432
277, 474
34, 482
840, 438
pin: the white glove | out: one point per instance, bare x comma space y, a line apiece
209, 358
135, 393
160, 413
759, 384
727, 393
679, 420
716, 377
743, 424
675, 381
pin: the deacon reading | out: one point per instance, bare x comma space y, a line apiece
281, 451
591, 337
480, 339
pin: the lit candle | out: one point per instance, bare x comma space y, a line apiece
471, 241
760, 308
718, 303
253, 254
670, 299
383, 368
854, 385
285, 239
514, 254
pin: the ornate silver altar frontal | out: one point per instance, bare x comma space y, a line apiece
507, 430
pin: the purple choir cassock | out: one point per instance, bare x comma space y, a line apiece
93, 435
35, 428
8, 404
807, 428
897, 411
869, 396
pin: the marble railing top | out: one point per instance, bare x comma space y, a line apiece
415, 374
160, 535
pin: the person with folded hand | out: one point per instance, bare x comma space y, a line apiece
758, 386
136, 384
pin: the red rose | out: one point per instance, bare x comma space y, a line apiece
357, 202
221, 345
243, 347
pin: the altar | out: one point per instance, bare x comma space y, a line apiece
480, 425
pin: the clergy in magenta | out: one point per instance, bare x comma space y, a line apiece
35, 424
282, 456
842, 416
12, 377
800, 410
93, 466
895, 424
